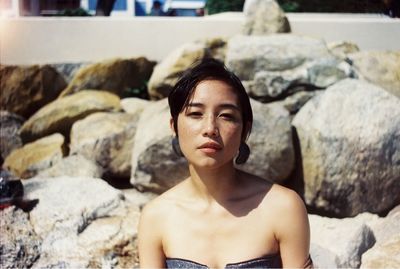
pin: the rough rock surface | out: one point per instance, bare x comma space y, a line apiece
9, 136
25, 89
33, 157
341, 49
270, 142
19, 245
155, 166
339, 243
59, 115
134, 105
379, 67
383, 255
71, 202
247, 55
106, 138
350, 148
117, 76
264, 17
84, 223
73, 166
167, 72
68, 70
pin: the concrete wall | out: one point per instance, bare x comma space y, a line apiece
55, 40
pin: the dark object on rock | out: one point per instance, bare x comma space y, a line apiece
12, 193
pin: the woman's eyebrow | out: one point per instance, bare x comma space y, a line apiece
223, 105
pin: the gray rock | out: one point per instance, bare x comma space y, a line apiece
106, 138
154, 165
73, 166
9, 136
247, 55
379, 67
342, 48
350, 148
269, 86
19, 245
134, 105
34, 157
87, 225
339, 243
68, 70
69, 202
264, 17
296, 101
270, 142
383, 255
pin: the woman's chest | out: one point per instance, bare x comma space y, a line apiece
218, 236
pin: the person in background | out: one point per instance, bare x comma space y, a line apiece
156, 10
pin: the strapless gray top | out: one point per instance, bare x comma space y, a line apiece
265, 262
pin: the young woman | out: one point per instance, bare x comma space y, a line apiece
220, 217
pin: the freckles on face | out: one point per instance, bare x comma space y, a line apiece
213, 116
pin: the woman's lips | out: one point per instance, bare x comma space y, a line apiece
210, 147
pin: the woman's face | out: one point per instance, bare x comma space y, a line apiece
210, 127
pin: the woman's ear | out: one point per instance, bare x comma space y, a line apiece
171, 125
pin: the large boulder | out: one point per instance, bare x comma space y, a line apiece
168, 71
59, 115
19, 244
106, 138
155, 167
270, 142
350, 148
25, 89
247, 55
10, 124
118, 76
269, 86
33, 157
134, 105
383, 255
73, 166
379, 67
264, 17
339, 243
84, 223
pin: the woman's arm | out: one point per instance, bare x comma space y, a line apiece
151, 253
293, 231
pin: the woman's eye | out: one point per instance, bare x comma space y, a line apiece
194, 114
227, 116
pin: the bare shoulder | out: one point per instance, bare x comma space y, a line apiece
161, 206
285, 198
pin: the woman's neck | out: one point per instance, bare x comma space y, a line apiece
214, 184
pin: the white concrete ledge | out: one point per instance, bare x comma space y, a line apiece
39, 40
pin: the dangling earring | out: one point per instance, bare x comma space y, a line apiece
244, 153
175, 146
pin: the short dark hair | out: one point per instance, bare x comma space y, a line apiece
208, 69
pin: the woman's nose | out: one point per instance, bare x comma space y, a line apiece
210, 128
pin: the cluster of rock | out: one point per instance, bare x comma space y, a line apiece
326, 123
